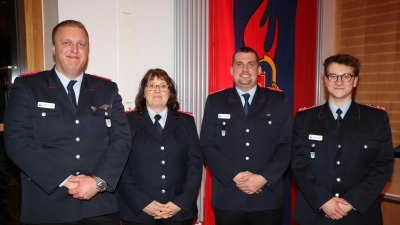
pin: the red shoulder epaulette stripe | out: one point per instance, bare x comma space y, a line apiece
218, 91
274, 89
29, 74
131, 110
306, 108
376, 107
104, 78
188, 113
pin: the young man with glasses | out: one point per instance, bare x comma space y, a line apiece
342, 153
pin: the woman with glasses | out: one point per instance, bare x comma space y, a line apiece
163, 173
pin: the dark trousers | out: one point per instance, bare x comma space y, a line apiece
109, 219
266, 217
161, 222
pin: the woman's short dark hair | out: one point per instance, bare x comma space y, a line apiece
343, 59
140, 101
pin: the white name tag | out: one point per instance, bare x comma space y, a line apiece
46, 105
315, 137
224, 116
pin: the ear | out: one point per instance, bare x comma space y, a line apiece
231, 70
355, 81
326, 80
259, 70
53, 49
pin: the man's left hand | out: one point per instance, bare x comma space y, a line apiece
170, 209
86, 187
251, 184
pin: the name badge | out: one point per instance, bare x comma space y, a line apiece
46, 105
315, 137
224, 116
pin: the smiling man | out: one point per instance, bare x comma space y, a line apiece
245, 139
67, 132
342, 153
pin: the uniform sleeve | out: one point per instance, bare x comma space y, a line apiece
361, 196
112, 162
221, 167
315, 192
194, 171
279, 161
21, 145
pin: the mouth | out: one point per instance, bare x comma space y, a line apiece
246, 75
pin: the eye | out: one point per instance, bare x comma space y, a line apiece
152, 86
333, 75
251, 64
346, 76
238, 64
65, 43
81, 44
163, 86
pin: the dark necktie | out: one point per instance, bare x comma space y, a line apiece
157, 124
246, 102
339, 118
71, 94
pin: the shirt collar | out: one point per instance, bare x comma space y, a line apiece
344, 108
163, 115
65, 80
251, 92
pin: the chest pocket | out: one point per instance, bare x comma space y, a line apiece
225, 130
45, 122
267, 128
100, 120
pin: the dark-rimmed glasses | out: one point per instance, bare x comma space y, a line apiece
153, 87
334, 77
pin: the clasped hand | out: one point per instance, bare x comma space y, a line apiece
161, 211
336, 208
81, 187
249, 183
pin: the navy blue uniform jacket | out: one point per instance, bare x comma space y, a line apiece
162, 168
258, 142
354, 162
50, 144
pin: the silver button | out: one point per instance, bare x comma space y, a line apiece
338, 162
223, 123
77, 121
269, 122
337, 195
162, 176
162, 162
247, 158
247, 144
162, 147
339, 146
247, 130
77, 139
163, 191
77, 173
365, 146
313, 145
338, 179
106, 113
78, 156
43, 114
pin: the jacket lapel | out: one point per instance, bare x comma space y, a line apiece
86, 93
326, 119
147, 124
236, 104
173, 121
350, 120
257, 103
58, 91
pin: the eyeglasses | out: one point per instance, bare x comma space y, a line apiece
153, 87
345, 77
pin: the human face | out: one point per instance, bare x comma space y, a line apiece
71, 49
339, 91
245, 71
156, 100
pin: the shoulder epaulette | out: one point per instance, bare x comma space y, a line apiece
131, 110
29, 74
376, 107
187, 113
274, 89
104, 78
218, 91
306, 108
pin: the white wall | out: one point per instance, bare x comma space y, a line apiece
127, 37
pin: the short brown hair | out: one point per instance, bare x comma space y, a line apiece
67, 23
140, 101
245, 49
343, 59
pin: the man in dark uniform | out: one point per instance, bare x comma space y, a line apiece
245, 139
342, 153
67, 132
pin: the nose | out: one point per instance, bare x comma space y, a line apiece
75, 48
158, 88
245, 67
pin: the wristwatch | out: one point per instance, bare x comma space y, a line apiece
101, 185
